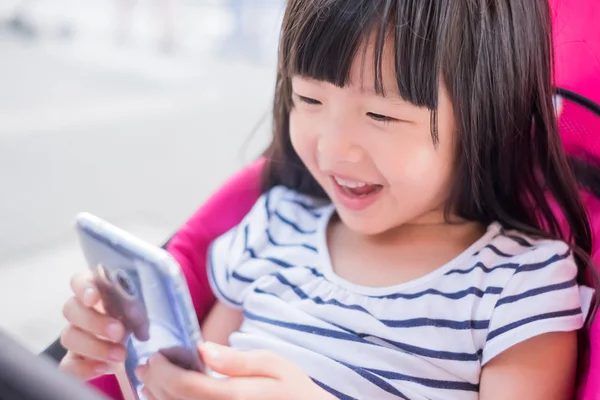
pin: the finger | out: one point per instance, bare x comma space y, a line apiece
83, 368
84, 288
87, 345
255, 363
90, 320
159, 375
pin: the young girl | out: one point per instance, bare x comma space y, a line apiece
406, 245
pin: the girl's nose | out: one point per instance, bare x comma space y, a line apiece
337, 146
338, 152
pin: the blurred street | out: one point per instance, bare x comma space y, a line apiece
129, 130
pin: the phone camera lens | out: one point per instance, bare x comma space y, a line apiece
125, 283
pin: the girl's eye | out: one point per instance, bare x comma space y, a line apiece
381, 118
310, 101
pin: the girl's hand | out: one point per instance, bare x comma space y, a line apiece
93, 339
253, 375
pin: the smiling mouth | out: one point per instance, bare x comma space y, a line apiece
357, 189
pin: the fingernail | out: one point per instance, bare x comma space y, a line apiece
117, 355
88, 296
114, 331
212, 350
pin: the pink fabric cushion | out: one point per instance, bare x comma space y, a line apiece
108, 385
577, 46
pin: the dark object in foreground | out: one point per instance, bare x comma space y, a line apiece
25, 376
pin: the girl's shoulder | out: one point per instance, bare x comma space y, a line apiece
535, 289
502, 252
529, 248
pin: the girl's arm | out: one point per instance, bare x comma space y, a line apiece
221, 322
543, 367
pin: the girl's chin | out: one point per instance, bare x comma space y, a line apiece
363, 225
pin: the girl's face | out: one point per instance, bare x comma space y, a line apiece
374, 155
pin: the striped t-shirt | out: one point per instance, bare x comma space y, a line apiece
424, 339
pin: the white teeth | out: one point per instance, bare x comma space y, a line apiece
349, 184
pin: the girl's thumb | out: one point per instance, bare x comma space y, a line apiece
235, 363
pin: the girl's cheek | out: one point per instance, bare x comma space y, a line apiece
304, 136
302, 132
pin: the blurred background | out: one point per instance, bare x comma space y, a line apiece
134, 110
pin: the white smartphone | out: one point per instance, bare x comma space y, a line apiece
143, 286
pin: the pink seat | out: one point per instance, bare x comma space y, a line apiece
577, 125
577, 46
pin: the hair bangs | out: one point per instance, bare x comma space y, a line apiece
328, 35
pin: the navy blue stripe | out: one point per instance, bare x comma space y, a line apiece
276, 261
540, 265
308, 207
261, 291
294, 225
305, 328
536, 292
535, 318
354, 337
335, 303
484, 268
519, 240
212, 277
295, 288
246, 247
241, 278
413, 349
377, 381
314, 271
267, 205
332, 391
253, 255
410, 323
274, 243
420, 351
515, 266
474, 291
495, 250
438, 323
434, 383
